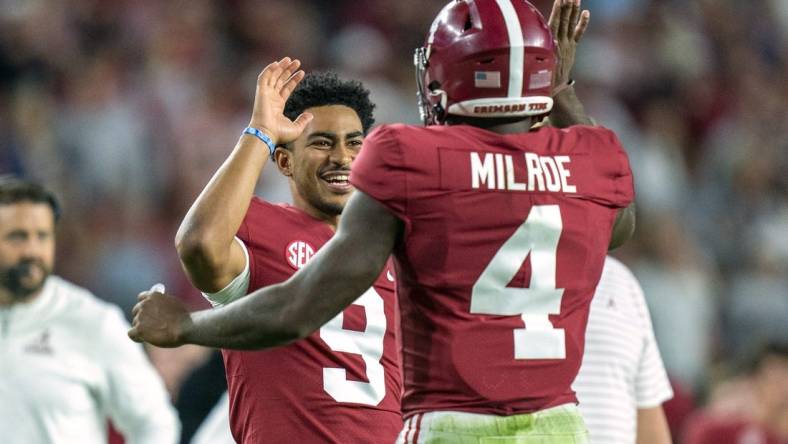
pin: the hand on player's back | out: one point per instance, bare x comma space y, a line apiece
568, 24
274, 86
159, 319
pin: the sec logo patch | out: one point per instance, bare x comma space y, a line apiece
298, 253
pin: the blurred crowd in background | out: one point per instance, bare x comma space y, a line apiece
125, 108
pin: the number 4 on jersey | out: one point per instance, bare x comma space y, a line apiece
537, 236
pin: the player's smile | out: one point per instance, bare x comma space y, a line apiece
337, 181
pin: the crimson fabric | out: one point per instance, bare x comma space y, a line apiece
277, 395
728, 429
452, 359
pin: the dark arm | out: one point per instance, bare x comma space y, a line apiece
568, 110
623, 228
568, 23
341, 271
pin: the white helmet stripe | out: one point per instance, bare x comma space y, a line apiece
516, 53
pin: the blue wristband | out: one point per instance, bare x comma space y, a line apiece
260, 135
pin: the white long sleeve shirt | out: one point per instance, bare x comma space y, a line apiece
215, 428
67, 366
622, 370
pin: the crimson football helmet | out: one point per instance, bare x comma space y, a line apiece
486, 58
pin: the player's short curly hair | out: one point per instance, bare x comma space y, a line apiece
326, 88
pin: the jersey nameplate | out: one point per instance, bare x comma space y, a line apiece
496, 171
523, 171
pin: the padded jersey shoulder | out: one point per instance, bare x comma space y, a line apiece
264, 215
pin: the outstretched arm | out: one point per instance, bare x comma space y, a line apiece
568, 24
623, 228
652, 426
205, 239
338, 274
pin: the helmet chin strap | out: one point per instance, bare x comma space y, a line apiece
439, 109
420, 65
432, 108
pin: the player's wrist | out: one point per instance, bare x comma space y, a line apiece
563, 87
262, 134
185, 332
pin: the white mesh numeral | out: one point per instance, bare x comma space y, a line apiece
368, 344
537, 236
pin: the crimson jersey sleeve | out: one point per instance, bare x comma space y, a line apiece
613, 185
380, 170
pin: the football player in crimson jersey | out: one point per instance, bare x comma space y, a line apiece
341, 383
499, 228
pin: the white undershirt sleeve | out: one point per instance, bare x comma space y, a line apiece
215, 428
237, 288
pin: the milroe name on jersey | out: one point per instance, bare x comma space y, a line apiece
529, 172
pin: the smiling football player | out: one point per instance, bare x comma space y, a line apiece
342, 383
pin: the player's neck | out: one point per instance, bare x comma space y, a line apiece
332, 220
498, 125
520, 127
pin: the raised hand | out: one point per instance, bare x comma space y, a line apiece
274, 86
568, 25
159, 319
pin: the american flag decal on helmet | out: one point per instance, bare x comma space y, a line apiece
487, 79
541, 79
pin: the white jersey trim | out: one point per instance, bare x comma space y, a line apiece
237, 288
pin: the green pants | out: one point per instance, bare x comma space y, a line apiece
557, 425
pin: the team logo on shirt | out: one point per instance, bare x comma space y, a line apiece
40, 345
298, 253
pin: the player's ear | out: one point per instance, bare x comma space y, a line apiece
284, 160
